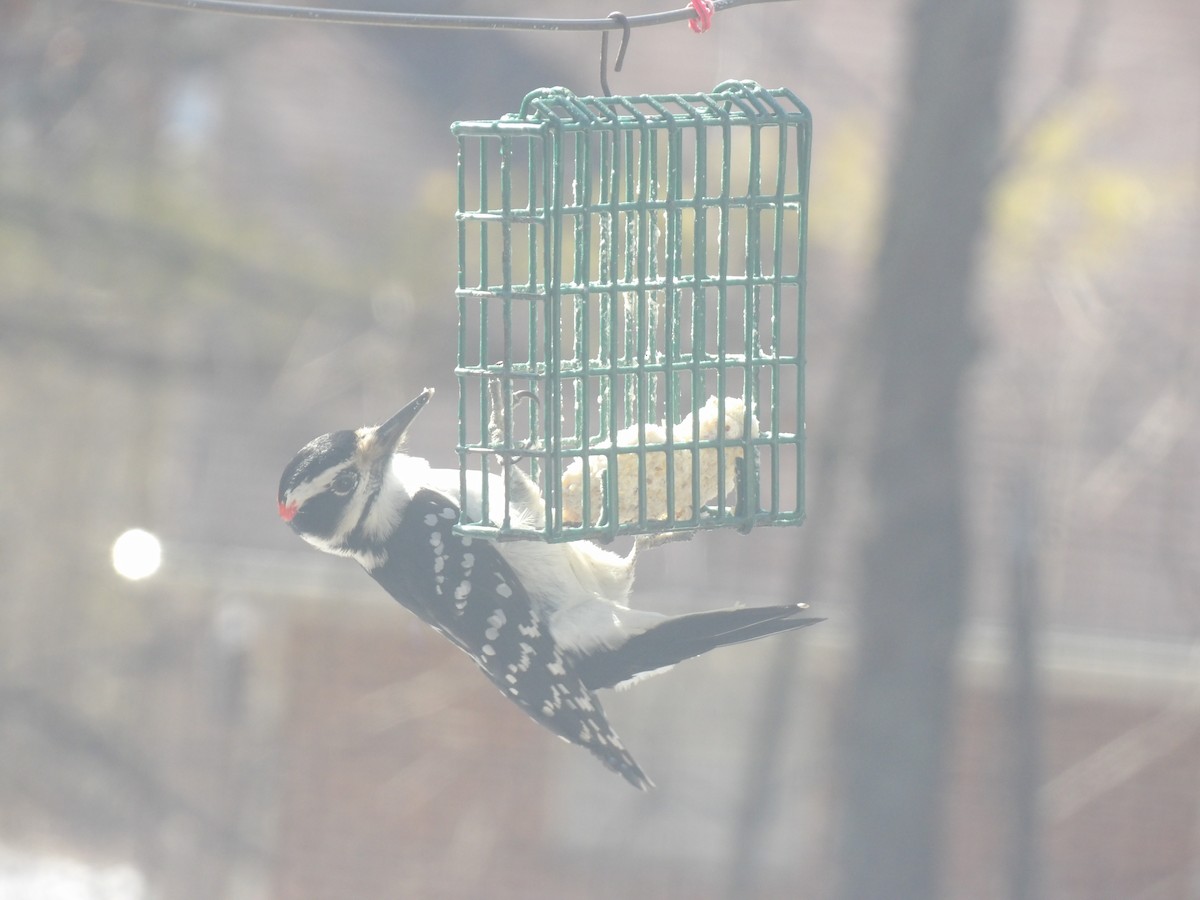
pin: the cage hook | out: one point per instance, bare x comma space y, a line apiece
622, 20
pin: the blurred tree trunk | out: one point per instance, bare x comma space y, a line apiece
920, 344
1023, 715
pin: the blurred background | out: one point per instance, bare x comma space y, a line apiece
220, 237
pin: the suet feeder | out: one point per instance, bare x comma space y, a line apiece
631, 310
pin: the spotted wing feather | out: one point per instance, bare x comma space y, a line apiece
465, 589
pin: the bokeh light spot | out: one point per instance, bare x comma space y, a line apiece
136, 554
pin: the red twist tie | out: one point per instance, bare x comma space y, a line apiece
704, 13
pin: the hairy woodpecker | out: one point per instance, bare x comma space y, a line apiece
547, 623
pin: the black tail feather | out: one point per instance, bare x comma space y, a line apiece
683, 637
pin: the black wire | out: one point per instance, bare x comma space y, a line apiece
622, 20
427, 20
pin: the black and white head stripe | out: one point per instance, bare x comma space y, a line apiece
329, 490
467, 591
330, 495
306, 484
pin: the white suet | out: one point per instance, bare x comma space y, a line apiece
629, 473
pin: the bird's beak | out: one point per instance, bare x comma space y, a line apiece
388, 435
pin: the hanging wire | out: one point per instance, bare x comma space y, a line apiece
432, 20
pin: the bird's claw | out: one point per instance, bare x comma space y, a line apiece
499, 436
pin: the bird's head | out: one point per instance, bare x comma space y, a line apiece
329, 491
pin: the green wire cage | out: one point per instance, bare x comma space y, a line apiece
631, 311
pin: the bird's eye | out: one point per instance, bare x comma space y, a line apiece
345, 482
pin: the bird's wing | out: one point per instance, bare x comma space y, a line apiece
465, 589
